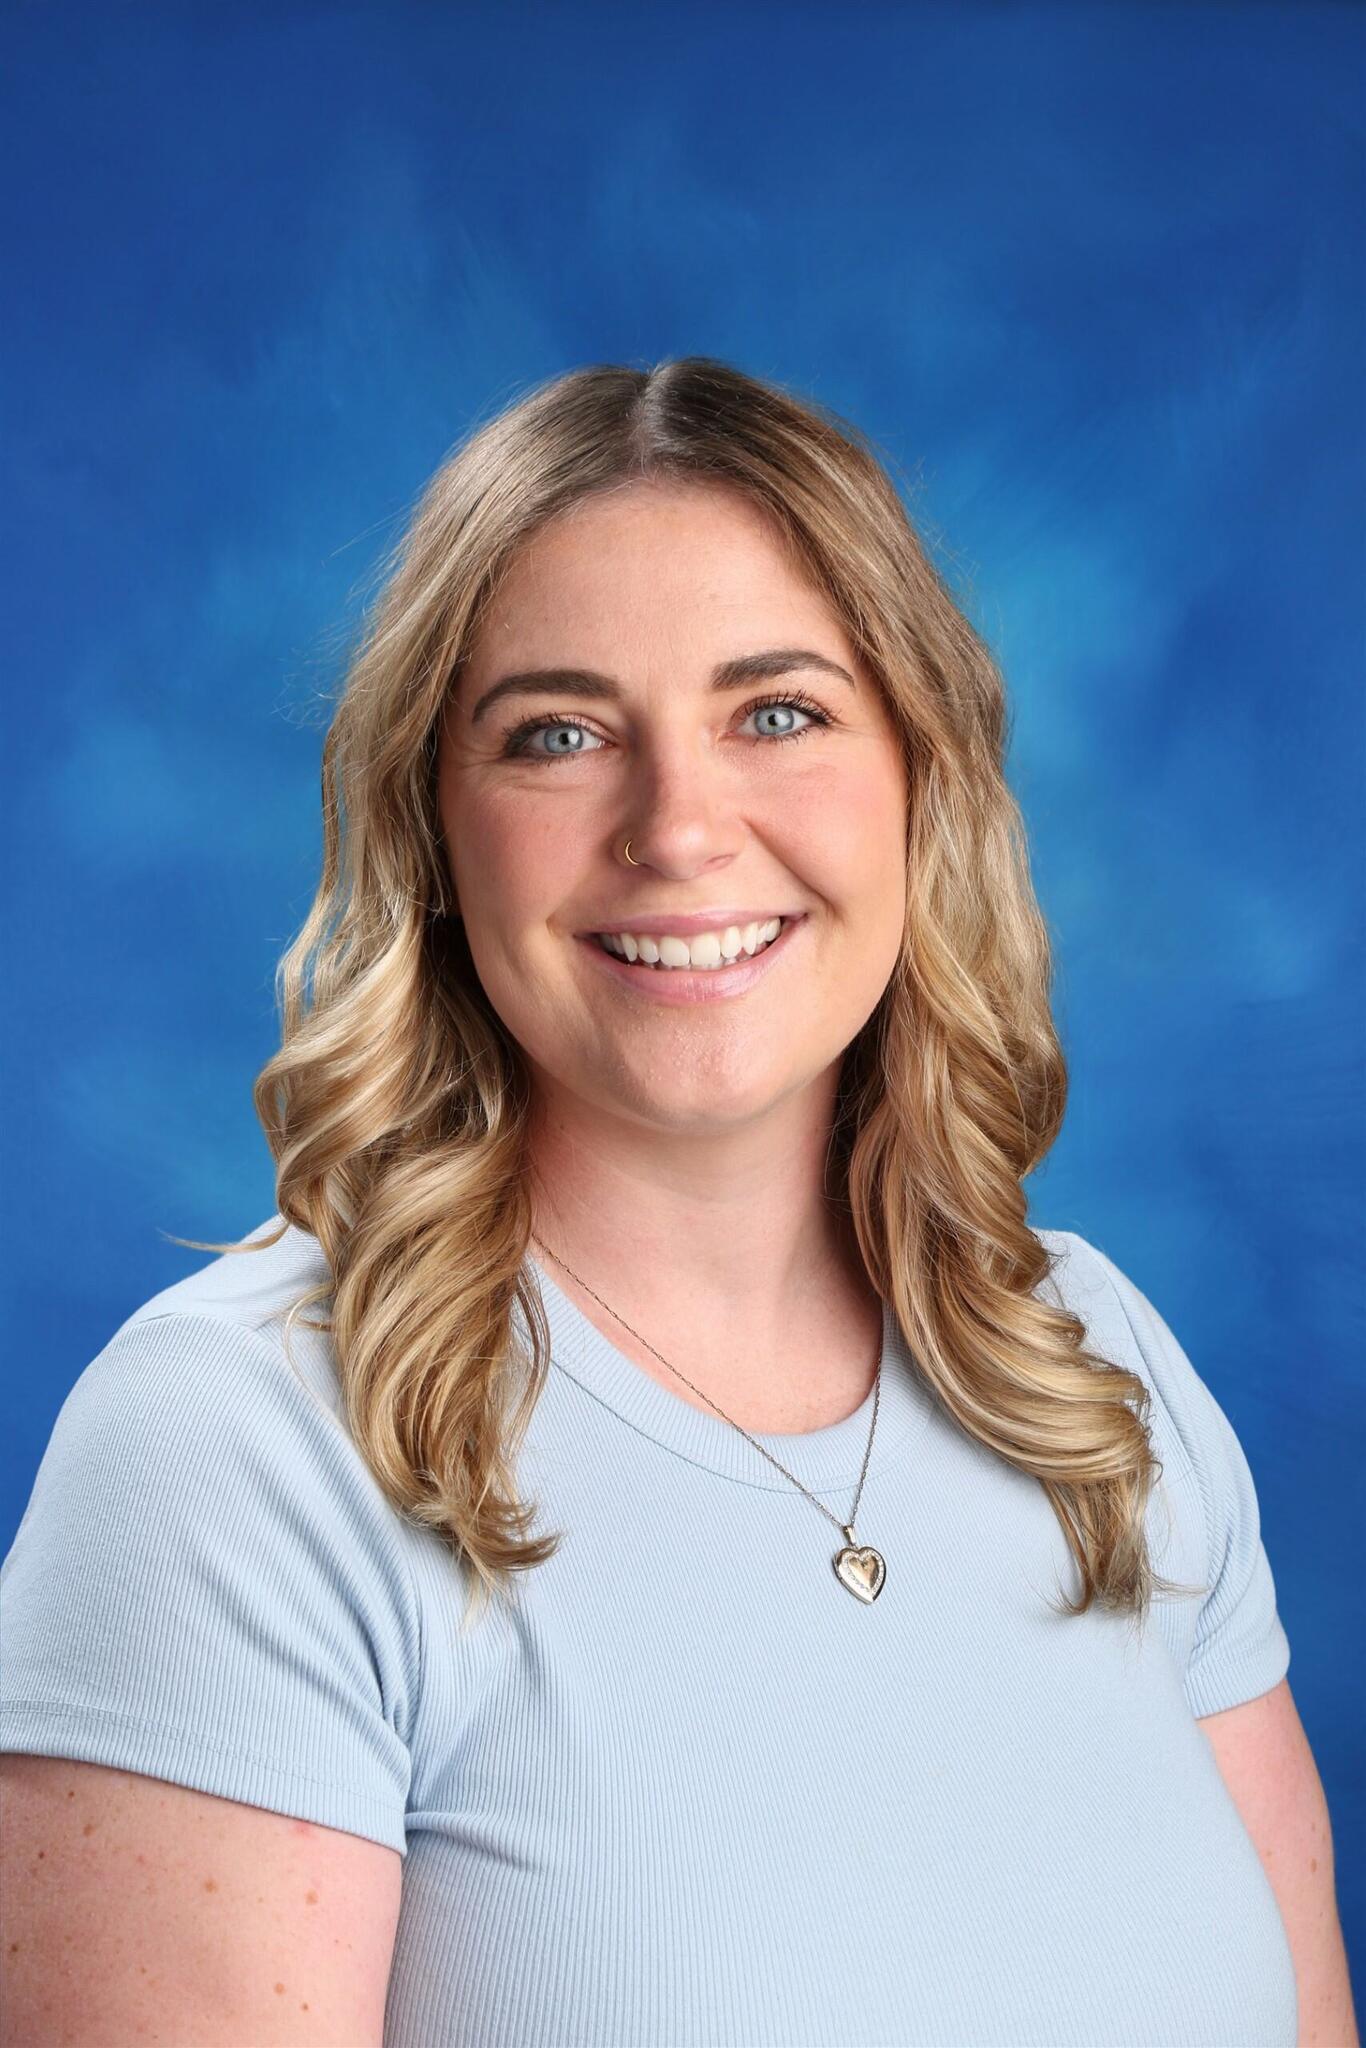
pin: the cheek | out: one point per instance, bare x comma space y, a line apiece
852, 826
508, 852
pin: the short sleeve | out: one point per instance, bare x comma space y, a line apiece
207, 1585
1240, 1648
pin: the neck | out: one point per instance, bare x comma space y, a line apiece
725, 1254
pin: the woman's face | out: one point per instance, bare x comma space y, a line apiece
647, 593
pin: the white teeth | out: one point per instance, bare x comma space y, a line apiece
705, 950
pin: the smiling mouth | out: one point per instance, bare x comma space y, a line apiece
693, 983
703, 953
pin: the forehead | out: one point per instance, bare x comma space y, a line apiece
652, 561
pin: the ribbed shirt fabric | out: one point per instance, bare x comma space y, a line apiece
684, 1789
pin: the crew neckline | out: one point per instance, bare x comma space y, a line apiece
819, 1458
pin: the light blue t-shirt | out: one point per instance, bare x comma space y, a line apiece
686, 1789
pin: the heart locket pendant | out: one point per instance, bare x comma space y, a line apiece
860, 1568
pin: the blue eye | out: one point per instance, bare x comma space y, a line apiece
516, 745
789, 703
516, 742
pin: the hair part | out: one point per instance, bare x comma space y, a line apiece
397, 1106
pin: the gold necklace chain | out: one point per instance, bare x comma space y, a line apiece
874, 1579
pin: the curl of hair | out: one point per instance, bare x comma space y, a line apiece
397, 1105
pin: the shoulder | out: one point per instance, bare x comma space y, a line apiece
1124, 1327
216, 1357
1083, 1278
209, 1394
208, 1583
1235, 1647
252, 1289
204, 1441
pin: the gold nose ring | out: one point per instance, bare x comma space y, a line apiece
627, 851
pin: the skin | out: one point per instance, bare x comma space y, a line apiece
135, 1912
678, 1151
1266, 1762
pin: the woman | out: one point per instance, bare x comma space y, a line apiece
764, 1648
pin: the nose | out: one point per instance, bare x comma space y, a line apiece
683, 819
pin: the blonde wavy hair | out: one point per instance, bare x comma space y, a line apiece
396, 1107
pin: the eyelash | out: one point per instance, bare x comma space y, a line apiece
515, 744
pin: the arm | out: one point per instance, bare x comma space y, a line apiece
136, 1910
1265, 1760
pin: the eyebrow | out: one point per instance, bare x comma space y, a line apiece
736, 674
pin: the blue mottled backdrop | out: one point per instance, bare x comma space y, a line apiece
1091, 276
